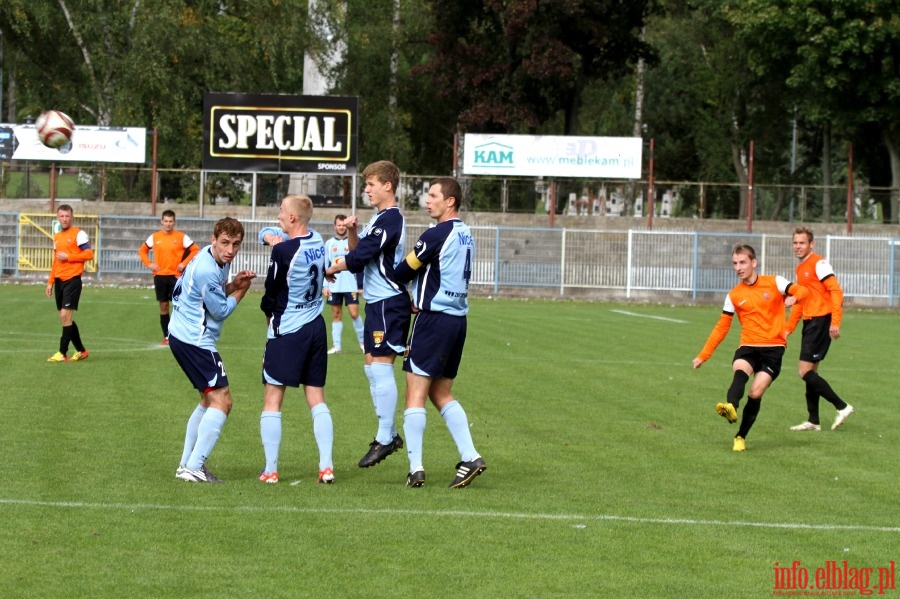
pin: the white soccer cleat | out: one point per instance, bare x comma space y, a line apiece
334, 350
806, 426
842, 416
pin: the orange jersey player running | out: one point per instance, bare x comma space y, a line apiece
172, 250
758, 301
821, 314
71, 249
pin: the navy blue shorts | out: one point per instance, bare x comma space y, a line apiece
763, 359
68, 293
203, 367
339, 298
298, 358
164, 285
386, 326
816, 338
435, 345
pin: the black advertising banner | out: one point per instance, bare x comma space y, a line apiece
280, 133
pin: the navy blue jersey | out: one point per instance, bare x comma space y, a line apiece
379, 250
294, 283
440, 267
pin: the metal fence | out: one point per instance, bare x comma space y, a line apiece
513, 261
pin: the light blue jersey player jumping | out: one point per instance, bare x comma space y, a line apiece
440, 268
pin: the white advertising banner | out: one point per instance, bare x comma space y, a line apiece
552, 156
88, 144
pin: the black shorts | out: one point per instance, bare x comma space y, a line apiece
762, 359
386, 326
339, 298
816, 338
68, 293
298, 358
164, 286
203, 367
435, 345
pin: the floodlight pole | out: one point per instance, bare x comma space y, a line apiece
650, 207
750, 191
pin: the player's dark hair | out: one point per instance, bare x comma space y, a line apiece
168, 213
450, 189
743, 248
339, 217
229, 226
385, 172
804, 231
65, 208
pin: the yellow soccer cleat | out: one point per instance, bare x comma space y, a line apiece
739, 444
79, 355
58, 357
727, 411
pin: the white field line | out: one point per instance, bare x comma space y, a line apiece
581, 518
627, 313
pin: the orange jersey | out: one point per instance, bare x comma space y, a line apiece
760, 310
74, 242
825, 293
169, 251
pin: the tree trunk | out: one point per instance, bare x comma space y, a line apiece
827, 179
892, 142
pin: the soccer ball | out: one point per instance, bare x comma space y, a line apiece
54, 128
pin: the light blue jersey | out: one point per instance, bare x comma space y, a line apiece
199, 302
335, 252
441, 284
294, 284
377, 254
266, 230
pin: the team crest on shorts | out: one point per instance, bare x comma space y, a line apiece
378, 337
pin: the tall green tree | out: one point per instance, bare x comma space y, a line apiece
840, 59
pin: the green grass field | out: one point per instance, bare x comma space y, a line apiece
609, 472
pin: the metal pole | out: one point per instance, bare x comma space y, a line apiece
750, 191
650, 189
850, 189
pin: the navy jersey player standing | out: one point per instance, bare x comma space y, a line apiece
296, 343
376, 252
439, 267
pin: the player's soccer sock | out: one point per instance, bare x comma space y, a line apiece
822, 387
64, 340
337, 329
76, 338
736, 390
812, 404
385, 400
414, 429
749, 417
270, 433
458, 425
207, 435
164, 324
367, 369
359, 327
190, 435
323, 431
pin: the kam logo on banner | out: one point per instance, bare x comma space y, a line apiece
552, 156
280, 133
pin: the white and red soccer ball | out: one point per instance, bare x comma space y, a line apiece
54, 128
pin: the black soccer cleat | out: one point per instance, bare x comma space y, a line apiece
466, 471
378, 452
416, 479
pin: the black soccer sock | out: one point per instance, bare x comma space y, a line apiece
76, 338
64, 340
749, 417
736, 390
821, 386
812, 404
164, 323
